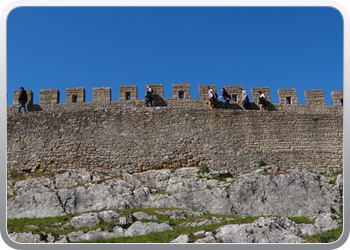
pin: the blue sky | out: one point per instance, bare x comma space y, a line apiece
59, 48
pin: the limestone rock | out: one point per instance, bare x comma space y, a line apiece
263, 230
183, 238
108, 216
293, 194
30, 238
72, 178
33, 185
139, 228
327, 221
208, 239
142, 215
85, 220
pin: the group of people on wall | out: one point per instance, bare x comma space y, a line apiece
213, 97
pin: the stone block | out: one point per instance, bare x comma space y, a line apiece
74, 95
314, 97
288, 96
234, 94
337, 98
181, 91
127, 93
102, 94
49, 96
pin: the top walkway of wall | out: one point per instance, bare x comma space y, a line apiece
288, 99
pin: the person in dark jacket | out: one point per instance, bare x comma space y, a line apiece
149, 96
262, 101
22, 99
226, 99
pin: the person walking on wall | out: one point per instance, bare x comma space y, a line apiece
245, 98
211, 97
262, 101
226, 99
22, 99
149, 96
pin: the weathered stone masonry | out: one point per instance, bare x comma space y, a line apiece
126, 136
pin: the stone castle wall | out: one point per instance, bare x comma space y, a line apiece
126, 136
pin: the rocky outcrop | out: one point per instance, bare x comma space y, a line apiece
288, 193
296, 193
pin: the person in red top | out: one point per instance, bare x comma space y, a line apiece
226, 98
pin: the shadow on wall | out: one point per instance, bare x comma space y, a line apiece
33, 107
254, 106
158, 101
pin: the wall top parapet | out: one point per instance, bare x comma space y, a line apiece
181, 92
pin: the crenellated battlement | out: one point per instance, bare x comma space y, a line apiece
181, 97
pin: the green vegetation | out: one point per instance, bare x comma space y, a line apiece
167, 236
43, 226
17, 176
300, 220
332, 210
332, 181
106, 226
329, 236
326, 237
204, 169
261, 163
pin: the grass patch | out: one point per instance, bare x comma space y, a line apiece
106, 226
18, 225
300, 220
17, 176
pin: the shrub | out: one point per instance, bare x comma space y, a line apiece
43, 237
261, 163
326, 238
204, 169
332, 181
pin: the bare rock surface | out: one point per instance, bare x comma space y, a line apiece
85, 220
142, 215
263, 230
34, 185
183, 238
30, 238
290, 193
139, 228
108, 216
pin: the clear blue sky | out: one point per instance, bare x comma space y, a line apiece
59, 48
